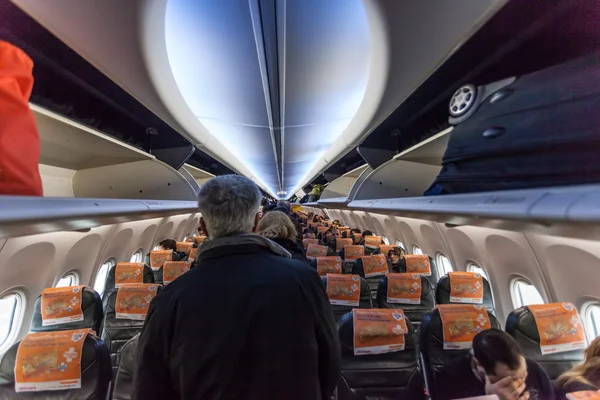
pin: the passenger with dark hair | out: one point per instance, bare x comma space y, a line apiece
168, 244
394, 259
495, 366
248, 322
367, 233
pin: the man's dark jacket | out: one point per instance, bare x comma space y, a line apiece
247, 323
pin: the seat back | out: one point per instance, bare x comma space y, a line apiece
431, 348
364, 299
443, 291
91, 306
433, 278
127, 361
374, 376
373, 279
117, 331
95, 375
521, 325
414, 312
112, 278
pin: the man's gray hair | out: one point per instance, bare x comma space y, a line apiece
229, 204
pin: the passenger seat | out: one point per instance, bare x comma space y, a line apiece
127, 361
433, 278
373, 281
414, 312
91, 305
95, 359
364, 299
431, 348
147, 277
117, 331
442, 292
374, 376
522, 326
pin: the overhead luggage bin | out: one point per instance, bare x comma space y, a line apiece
78, 161
341, 190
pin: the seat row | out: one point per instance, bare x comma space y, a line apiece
375, 366
103, 327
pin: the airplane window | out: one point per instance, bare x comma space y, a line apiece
444, 265
10, 306
100, 281
385, 240
400, 244
138, 256
477, 269
70, 279
524, 294
417, 250
591, 315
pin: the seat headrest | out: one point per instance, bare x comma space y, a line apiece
111, 311
364, 297
521, 325
414, 312
91, 306
443, 292
433, 278
147, 276
376, 265
346, 333
95, 374
431, 339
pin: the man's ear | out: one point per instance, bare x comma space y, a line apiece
256, 221
203, 226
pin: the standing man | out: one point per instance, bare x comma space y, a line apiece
248, 323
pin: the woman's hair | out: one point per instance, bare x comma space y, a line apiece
588, 372
277, 225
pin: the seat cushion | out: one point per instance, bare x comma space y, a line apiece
95, 375
414, 312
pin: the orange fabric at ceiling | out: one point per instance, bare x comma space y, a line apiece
19, 139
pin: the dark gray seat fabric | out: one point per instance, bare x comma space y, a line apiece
365, 300
442, 293
414, 312
433, 278
431, 348
347, 266
95, 375
374, 376
127, 360
373, 281
116, 332
91, 305
521, 325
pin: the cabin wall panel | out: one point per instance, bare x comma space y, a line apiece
572, 266
33, 263
56, 182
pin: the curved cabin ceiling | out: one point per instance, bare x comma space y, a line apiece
276, 89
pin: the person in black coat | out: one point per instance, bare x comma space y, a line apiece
247, 323
279, 228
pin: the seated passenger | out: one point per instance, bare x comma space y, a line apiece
394, 258
279, 228
247, 323
167, 244
308, 234
585, 376
495, 366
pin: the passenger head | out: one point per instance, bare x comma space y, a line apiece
393, 256
284, 204
497, 355
355, 230
168, 244
367, 233
587, 373
229, 206
276, 225
284, 210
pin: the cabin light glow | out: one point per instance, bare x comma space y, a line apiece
323, 61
